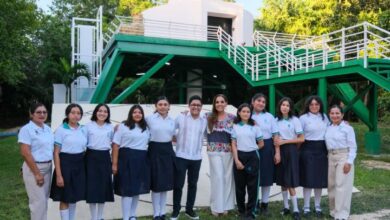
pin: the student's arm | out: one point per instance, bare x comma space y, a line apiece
57, 163
238, 163
115, 151
298, 140
28, 158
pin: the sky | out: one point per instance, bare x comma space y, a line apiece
250, 5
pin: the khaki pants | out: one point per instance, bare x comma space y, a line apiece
339, 185
37, 196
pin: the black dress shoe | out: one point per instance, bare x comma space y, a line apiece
285, 212
296, 216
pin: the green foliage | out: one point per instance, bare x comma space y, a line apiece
133, 7
384, 105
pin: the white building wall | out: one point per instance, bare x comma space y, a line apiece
195, 13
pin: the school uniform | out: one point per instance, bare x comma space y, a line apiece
41, 143
341, 144
98, 163
268, 127
189, 137
287, 171
246, 137
133, 177
161, 152
222, 192
72, 143
313, 159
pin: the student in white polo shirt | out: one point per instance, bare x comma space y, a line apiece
98, 161
341, 144
130, 163
247, 139
161, 155
69, 182
36, 146
287, 171
269, 155
191, 132
313, 159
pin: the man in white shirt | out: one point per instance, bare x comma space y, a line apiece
191, 127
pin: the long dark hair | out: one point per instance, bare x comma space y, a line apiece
130, 121
279, 113
69, 109
308, 102
94, 114
213, 117
257, 96
238, 118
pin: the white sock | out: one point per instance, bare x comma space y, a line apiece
306, 198
317, 199
265, 190
134, 204
100, 208
163, 202
64, 214
156, 204
72, 211
126, 204
92, 208
285, 199
294, 201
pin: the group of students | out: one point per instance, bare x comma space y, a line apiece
246, 151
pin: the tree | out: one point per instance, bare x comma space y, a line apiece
71, 73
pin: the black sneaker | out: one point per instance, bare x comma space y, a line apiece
175, 215
319, 213
285, 212
162, 217
306, 213
296, 216
191, 214
156, 218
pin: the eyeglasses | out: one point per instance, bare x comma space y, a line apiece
41, 112
195, 105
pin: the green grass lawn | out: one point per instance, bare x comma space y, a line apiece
373, 183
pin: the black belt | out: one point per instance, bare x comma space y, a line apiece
48, 161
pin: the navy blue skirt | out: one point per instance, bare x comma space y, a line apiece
267, 164
133, 177
99, 176
73, 173
313, 164
162, 159
287, 171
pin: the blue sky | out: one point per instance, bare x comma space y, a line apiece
250, 5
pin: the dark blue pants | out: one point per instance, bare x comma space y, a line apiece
181, 167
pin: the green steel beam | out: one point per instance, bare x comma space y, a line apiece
372, 138
323, 92
132, 47
357, 97
376, 78
110, 71
345, 93
272, 98
142, 79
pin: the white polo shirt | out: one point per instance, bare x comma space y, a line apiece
135, 138
267, 124
289, 128
246, 136
190, 134
40, 140
99, 137
71, 140
161, 129
314, 126
341, 136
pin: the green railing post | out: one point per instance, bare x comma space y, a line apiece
372, 137
272, 98
323, 92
